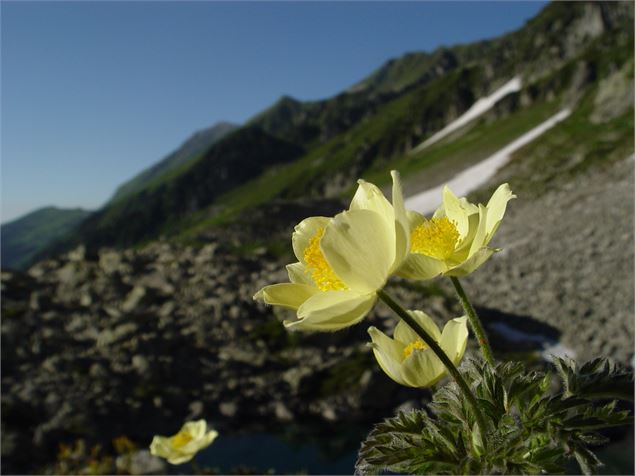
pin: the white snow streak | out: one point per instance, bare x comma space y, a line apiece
472, 177
478, 108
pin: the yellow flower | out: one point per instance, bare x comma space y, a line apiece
454, 241
343, 261
182, 447
408, 360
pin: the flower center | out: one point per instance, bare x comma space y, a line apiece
436, 237
181, 439
414, 345
321, 272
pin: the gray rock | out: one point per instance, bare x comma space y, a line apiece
140, 364
282, 412
141, 462
228, 409
133, 299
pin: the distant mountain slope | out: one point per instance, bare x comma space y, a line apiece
26, 236
150, 212
190, 150
317, 149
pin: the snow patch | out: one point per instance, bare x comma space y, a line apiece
476, 175
478, 108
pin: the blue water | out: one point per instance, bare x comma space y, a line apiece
292, 449
264, 452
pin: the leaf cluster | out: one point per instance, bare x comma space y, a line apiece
531, 428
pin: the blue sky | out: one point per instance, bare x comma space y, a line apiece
93, 93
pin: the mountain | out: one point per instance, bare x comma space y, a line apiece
569, 56
26, 236
190, 150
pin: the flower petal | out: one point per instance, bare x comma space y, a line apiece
455, 211
496, 209
472, 262
369, 197
196, 429
418, 266
332, 310
414, 219
388, 353
402, 227
161, 446
304, 231
404, 334
422, 368
481, 232
298, 274
454, 338
360, 248
289, 295
463, 246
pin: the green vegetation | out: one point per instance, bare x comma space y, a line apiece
296, 150
185, 155
24, 238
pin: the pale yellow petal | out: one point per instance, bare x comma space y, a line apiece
304, 231
388, 354
464, 244
422, 368
360, 248
195, 428
421, 267
402, 227
298, 274
481, 232
161, 446
332, 310
209, 438
496, 209
473, 262
455, 211
404, 334
180, 458
289, 295
414, 219
370, 197
454, 338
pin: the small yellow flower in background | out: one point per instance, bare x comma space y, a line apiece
454, 241
343, 261
408, 360
182, 447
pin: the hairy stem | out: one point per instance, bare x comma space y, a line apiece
475, 322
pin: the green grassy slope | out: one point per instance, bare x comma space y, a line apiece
187, 153
24, 237
295, 149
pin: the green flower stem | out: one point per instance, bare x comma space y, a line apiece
475, 322
432, 344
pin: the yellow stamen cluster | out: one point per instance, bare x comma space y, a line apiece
181, 439
321, 272
415, 345
436, 237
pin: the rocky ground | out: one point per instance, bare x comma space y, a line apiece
567, 261
134, 342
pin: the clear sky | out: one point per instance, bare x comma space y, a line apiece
93, 93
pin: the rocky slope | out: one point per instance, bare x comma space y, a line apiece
133, 342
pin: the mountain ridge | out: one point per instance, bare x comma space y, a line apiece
367, 130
